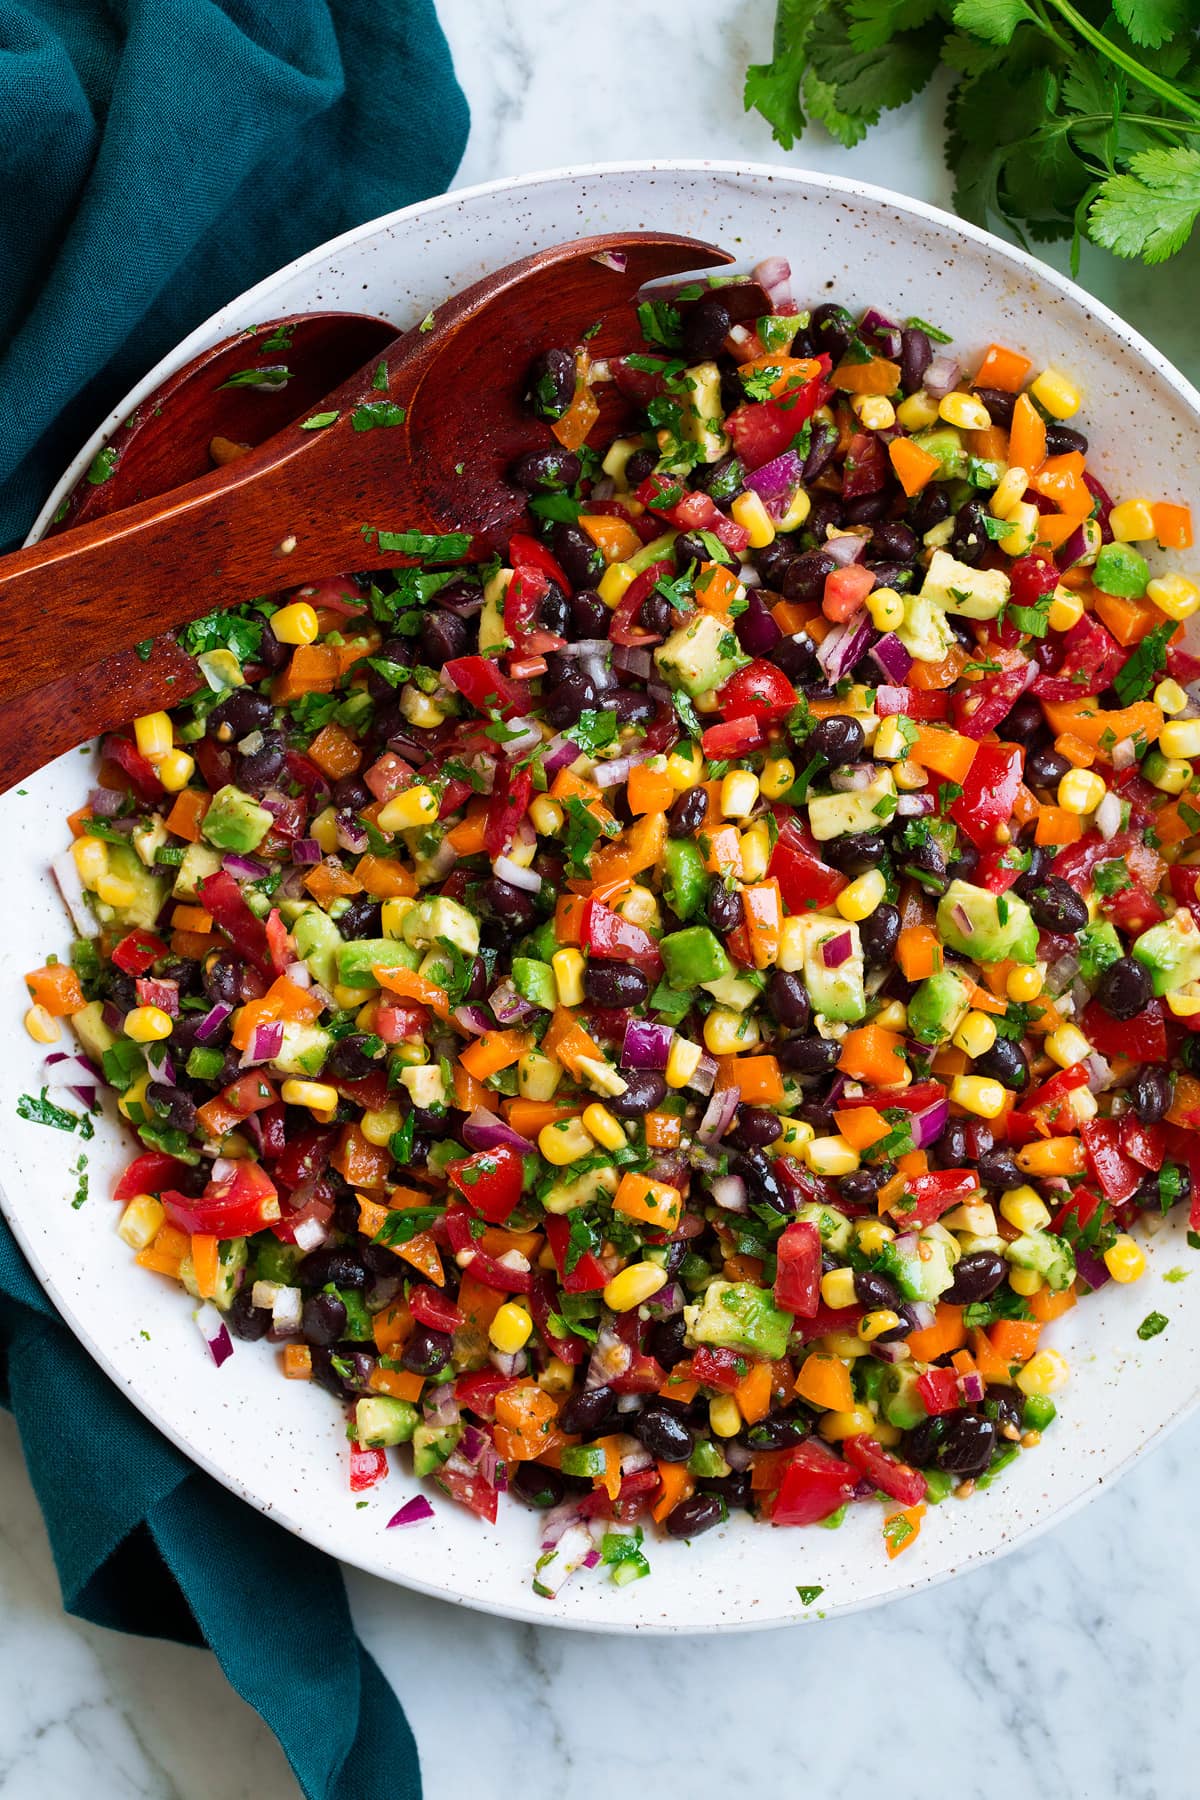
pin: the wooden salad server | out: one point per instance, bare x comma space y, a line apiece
417, 440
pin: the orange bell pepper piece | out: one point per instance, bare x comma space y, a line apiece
872, 1053
677, 1485
1047, 1305
947, 753
187, 815
650, 1202
757, 1077
753, 1392
614, 536
314, 669
663, 1130
384, 878
824, 1380
763, 909
494, 1051
1056, 826
408, 985
1128, 619
1002, 369
362, 1164
641, 847
1172, 525
1015, 1340
398, 1384
946, 1334
715, 587
648, 790
56, 987
206, 1264
1027, 437
862, 1126
334, 751
902, 1528
875, 377
914, 467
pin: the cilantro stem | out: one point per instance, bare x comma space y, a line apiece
1114, 54
1128, 118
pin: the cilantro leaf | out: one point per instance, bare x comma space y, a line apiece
1152, 1325
773, 88
593, 731
1150, 211
1134, 680
1151, 22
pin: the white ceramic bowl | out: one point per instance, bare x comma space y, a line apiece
281, 1445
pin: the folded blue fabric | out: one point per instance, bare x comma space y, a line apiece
156, 157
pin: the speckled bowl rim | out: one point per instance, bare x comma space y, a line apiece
852, 190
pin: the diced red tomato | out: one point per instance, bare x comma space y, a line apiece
1116, 1173
605, 933
798, 1270
759, 691
936, 1193
506, 809
239, 1205
938, 1391
482, 686
888, 1473
845, 592
815, 1483
149, 1173
914, 703
587, 1275
431, 1307
989, 790
805, 882
731, 739
368, 1464
137, 951
490, 1181
1142, 1038
716, 1367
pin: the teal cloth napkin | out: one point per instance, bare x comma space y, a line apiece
157, 157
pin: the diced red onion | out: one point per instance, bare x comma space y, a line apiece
922, 1311
245, 868
667, 1302
1061, 974
673, 1170
349, 833
505, 869
906, 1244
265, 1044
835, 951
575, 1550
439, 1405
729, 1193
212, 1022
704, 1074
738, 1456
558, 1519
757, 632
971, 1387
646, 1045
484, 1131
851, 778
1100, 1074
1094, 1272
473, 1019
66, 879
1124, 754
633, 661
508, 1005
889, 1353
463, 605
718, 1116
846, 548
413, 1512
840, 650
873, 324
286, 1309
963, 920
612, 774
214, 1332
941, 376
306, 851
106, 803
611, 259
525, 737
774, 276
777, 479
893, 659
560, 753
914, 806
928, 1126
310, 1233
586, 647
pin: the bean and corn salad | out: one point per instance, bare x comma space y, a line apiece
664, 1022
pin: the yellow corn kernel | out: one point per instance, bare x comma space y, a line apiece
846, 1344
640, 907
557, 1377
1082, 1105
295, 624
909, 776
723, 1416
547, 815
965, 411
1173, 777
1183, 1005
833, 1426
795, 1135
568, 969
976, 1035
415, 806
779, 772
317, 1096
918, 411
837, 1288
872, 1235
739, 794
565, 1142
148, 1024
831, 1156
380, 1125
1009, 492
1066, 609
978, 1094
1057, 393
754, 850
875, 410
1080, 791
634, 1286
153, 734
132, 1103
1025, 1282
1131, 521
1024, 983
604, 1127
1174, 595
872, 1325
685, 767
891, 743
420, 708
1024, 1208
726, 1031
324, 829
1169, 697
175, 770
91, 859
1067, 1045
1022, 530
683, 1059
510, 1329
141, 1221
1180, 737
392, 914
42, 1026
615, 583
114, 890
886, 609
750, 513
893, 1016
798, 510
1044, 1373
859, 900
1125, 1259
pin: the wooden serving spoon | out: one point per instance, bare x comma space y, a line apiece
310, 502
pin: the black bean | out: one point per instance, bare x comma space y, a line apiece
795, 655
756, 1169
1151, 1094
656, 614
754, 1128
964, 863
632, 707
241, 712
222, 977
950, 1151
426, 1351
980, 1139
832, 328
348, 1060
722, 480
350, 794
866, 508
581, 560
1058, 908
975, 1277
688, 813
855, 853
1027, 883
550, 384
920, 1444
838, 739
587, 1410
705, 326
271, 653
1125, 989
1025, 721
546, 471
998, 1169
511, 904
894, 539
332, 1263
859, 1187
323, 1320
692, 1516
809, 1055
804, 576
969, 539
247, 1321
930, 508
776, 1432
615, 984
640, 465
916, 354
665, 1343
967, 1447
536, 1485
664, 1434
361, 919
999, 405
1006, 1063
1004, 1408
443, 636
787, 999
172, 1105
879, 934
927, 861
723, 909
259, 768
690, 551
554, 610
1061, 440
563, 705
1045, 768
876, 1291
644, 1090
588, 617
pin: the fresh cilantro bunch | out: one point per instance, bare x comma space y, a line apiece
1065, 120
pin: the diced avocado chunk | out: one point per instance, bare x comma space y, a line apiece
303, 1050
198, 862
492, 635
1170, 952
945, 443
836, 989
535, 982
426, 1084
578, 1190
864, 809
1052, 1257
835, 1228
93, 1034
921, 1276
685, 882
693, 956
359, 957
317, 943
939, 1006
432, 1445
956, 586
736, 1315
926, 632
235, 821
1122, 571
378, 1419
429, 921
738, 990
703, 414
1099, 947
149, 890
987, 927
899, 1398
700, 655
707, 1462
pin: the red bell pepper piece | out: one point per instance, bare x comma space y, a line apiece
995, 871
522, 597
280, 946
304, 1157
469, 1488
221, 897
759, 691
938, 1390
605, 933
141, 773
623, 627
149, 1173
888, 1473
815, 1483
989, 790
478, 1389
483, 686
731, 738
431, 1307
1090, 660
241, 1204
637, 1491
936, 1193
827, 1319
485, 1269
525, 552
1142, 1038
914, 1099
135, 953
587, 1276
506, 808
982, 706
368, 1464
1145, 1144
914, 703
1055, 1090
798, 1270
805, 882
490, 1181
250, 1093
716, 1367
1080, 1207
1115, 1172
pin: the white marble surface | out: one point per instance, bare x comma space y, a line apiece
1064, 1669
